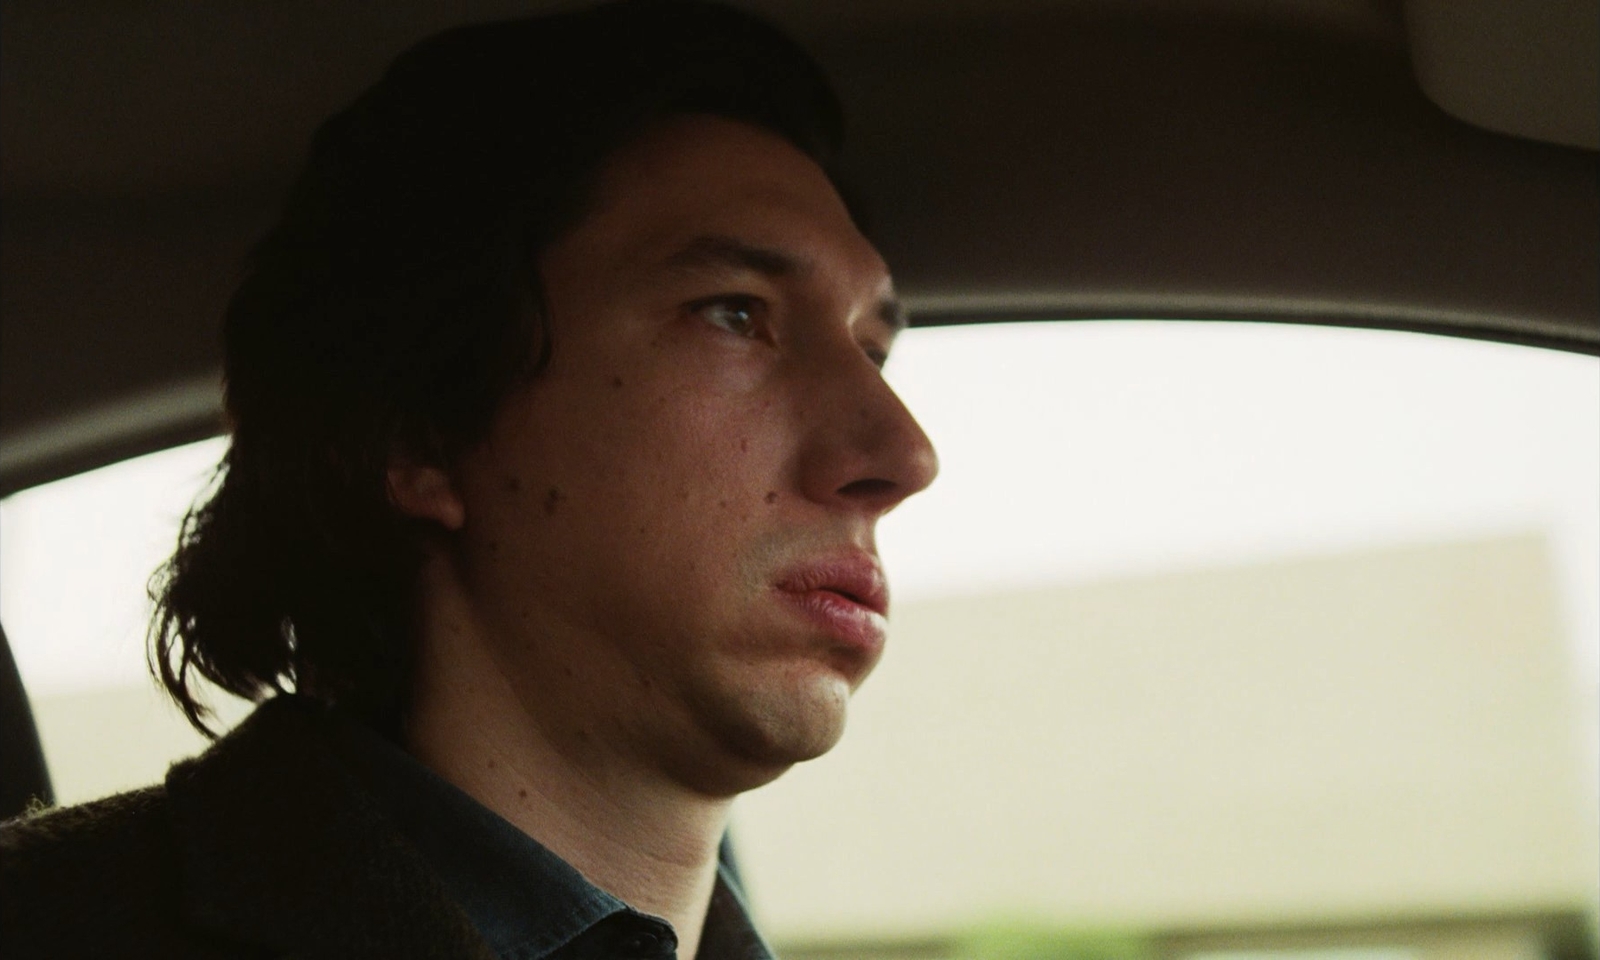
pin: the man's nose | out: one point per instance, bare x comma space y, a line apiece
866, 451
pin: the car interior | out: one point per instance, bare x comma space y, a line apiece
1215, 172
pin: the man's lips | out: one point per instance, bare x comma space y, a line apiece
846, 596
855, 577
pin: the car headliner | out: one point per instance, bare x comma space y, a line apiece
1286, 160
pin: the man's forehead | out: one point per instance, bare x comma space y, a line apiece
770, 225
705, 194
707, 175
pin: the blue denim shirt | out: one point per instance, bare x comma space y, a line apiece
528, 903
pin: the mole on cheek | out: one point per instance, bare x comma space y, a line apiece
553, 499
772, 496
616, 381
744, 444
513, 484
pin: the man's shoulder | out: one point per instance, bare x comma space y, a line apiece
129, 874
100, 878
262, 845
130, 825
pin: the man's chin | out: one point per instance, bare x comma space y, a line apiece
765, 732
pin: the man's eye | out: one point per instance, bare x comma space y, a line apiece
739, 315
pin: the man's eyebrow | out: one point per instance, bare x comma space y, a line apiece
721, 252
715, 251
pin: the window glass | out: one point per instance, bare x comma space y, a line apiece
1336, 953
77, 557
1202, 626
1204, 622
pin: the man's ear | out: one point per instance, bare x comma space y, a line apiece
426, 493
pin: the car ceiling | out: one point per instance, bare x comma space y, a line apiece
1426, 165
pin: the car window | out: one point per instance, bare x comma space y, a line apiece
1207, 634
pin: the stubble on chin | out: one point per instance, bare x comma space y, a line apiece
764, 730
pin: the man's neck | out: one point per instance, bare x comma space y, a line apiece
648, 842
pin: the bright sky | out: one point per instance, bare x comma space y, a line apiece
1069, 452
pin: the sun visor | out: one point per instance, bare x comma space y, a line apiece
1529, 68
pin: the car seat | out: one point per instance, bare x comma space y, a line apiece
24, 777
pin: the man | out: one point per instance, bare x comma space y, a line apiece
558, 441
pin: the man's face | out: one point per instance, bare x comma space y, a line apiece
669, 535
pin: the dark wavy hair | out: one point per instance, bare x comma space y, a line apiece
396, 302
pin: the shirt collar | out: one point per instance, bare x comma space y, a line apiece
729, 933
524, 900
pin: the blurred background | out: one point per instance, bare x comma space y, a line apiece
1213, 640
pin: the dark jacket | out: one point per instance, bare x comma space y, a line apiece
263, 846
